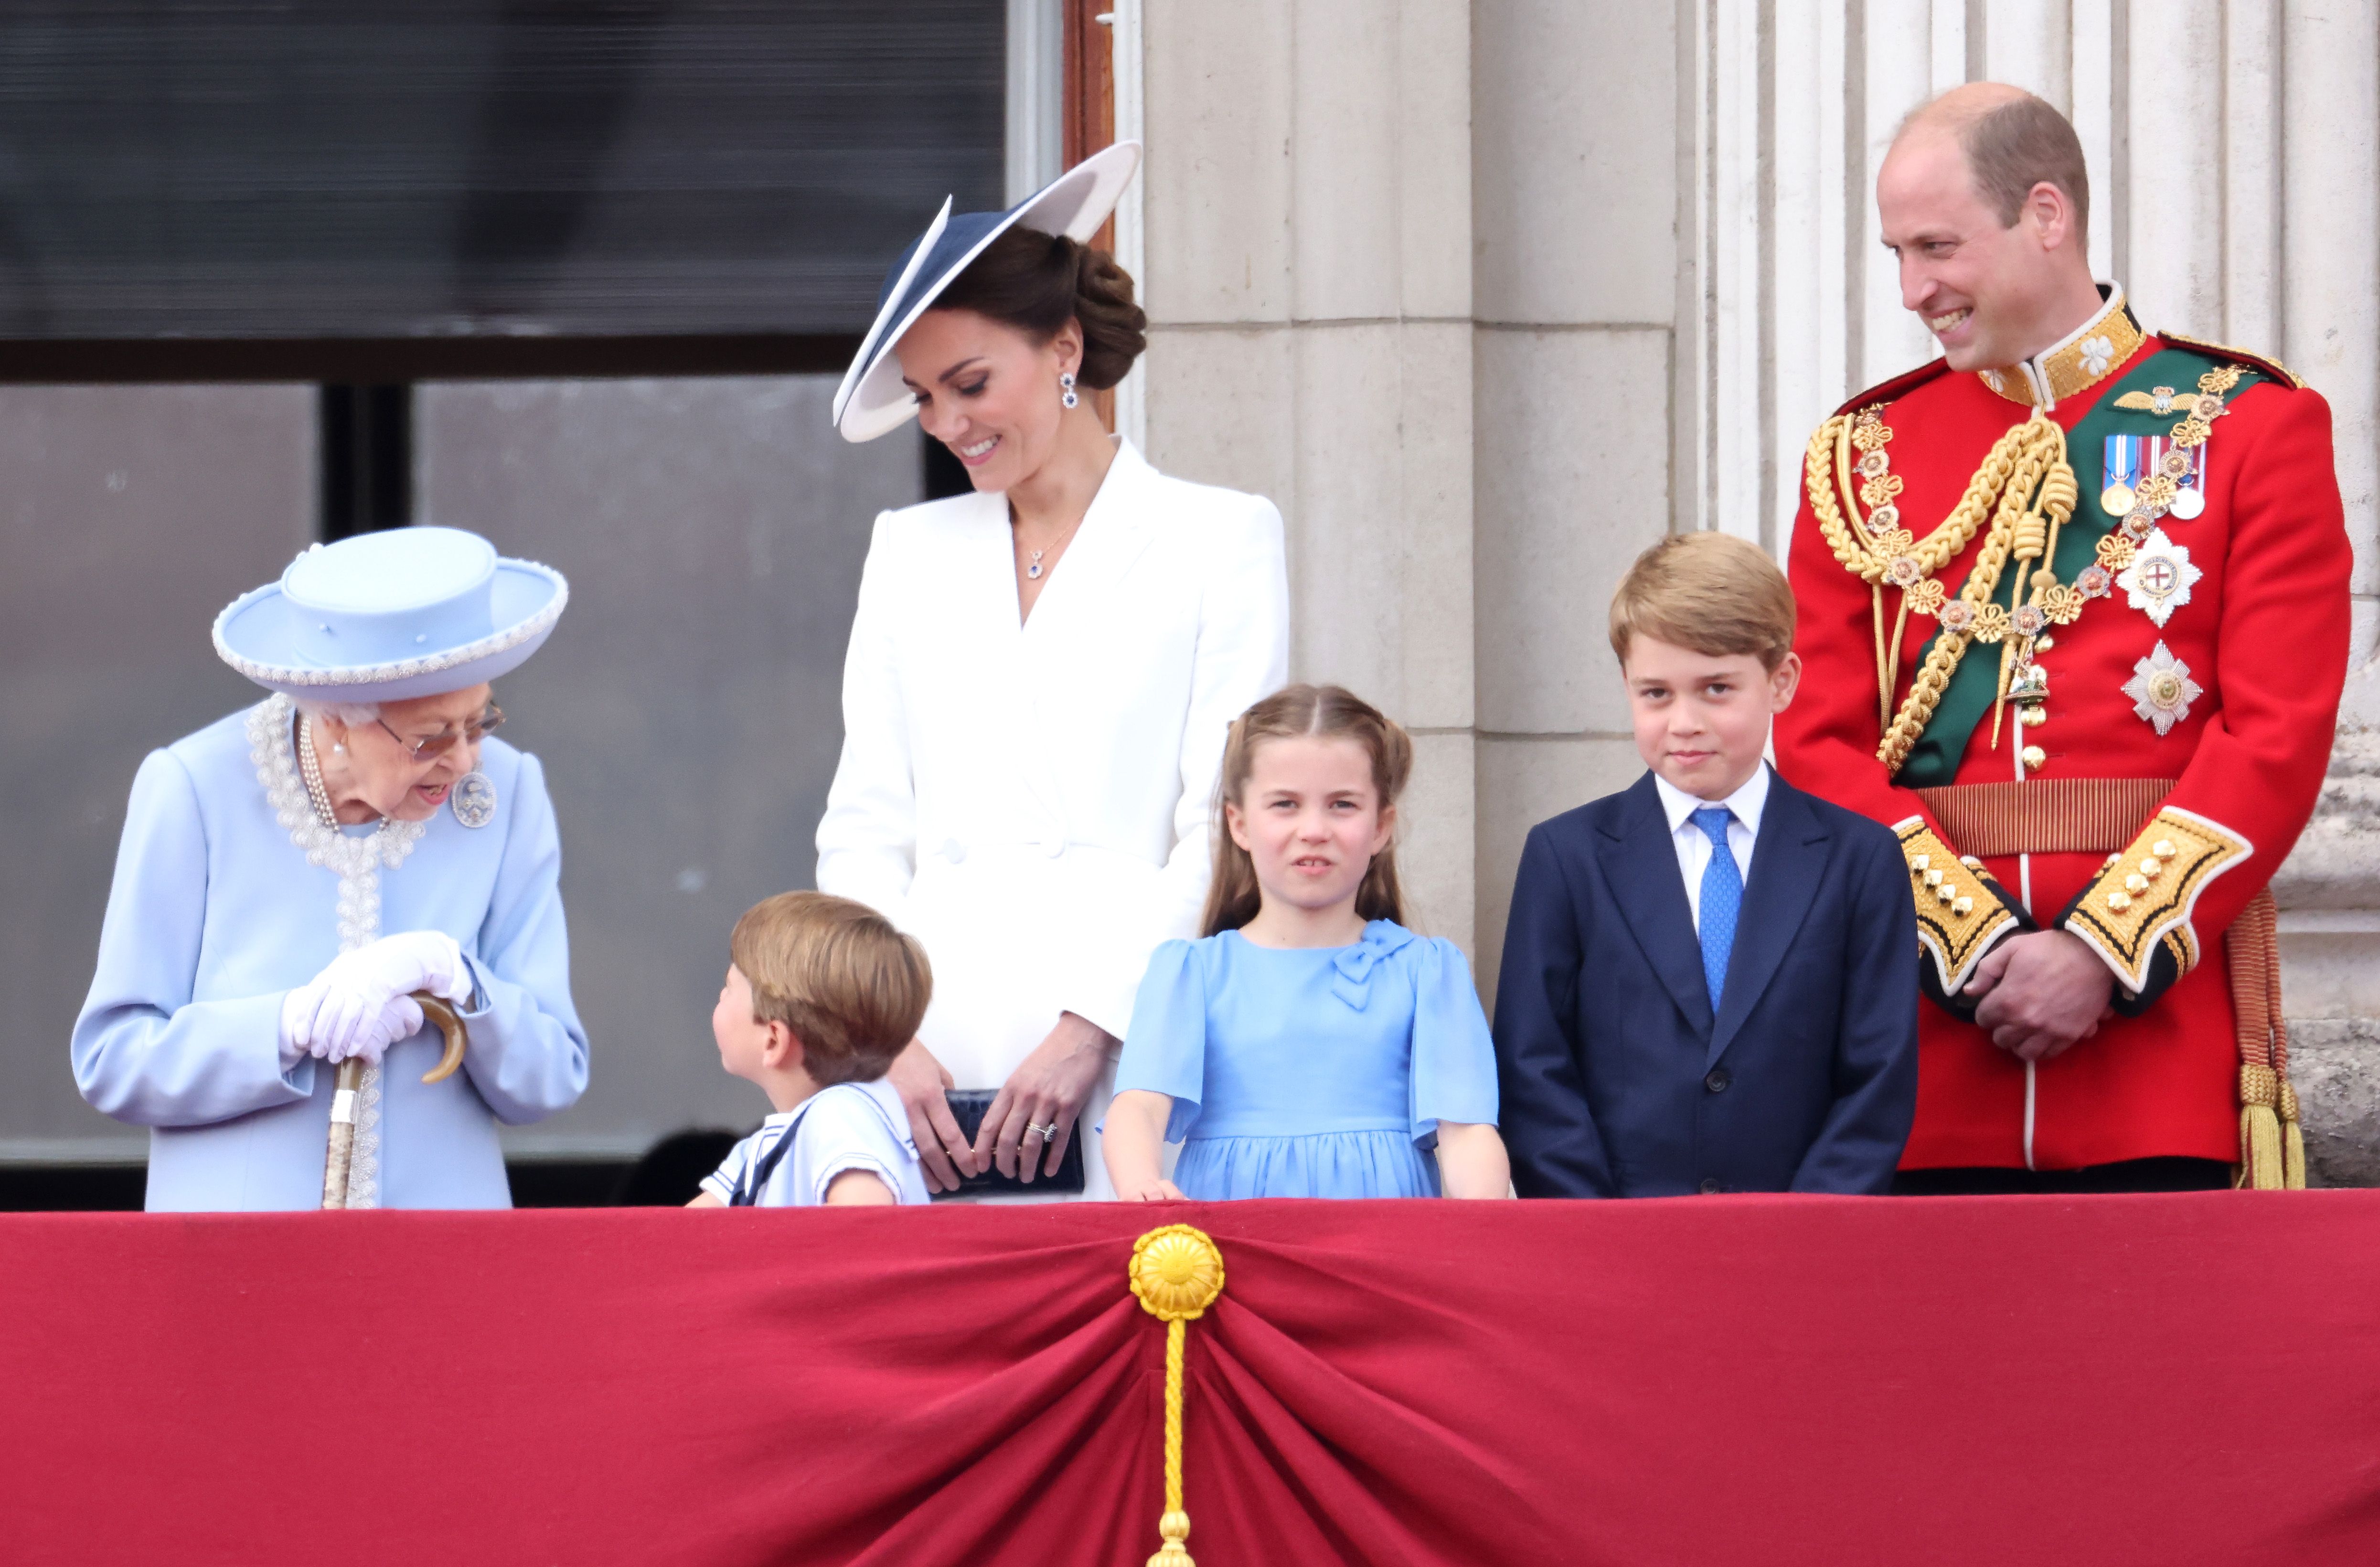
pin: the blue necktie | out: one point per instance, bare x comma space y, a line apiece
1722, 899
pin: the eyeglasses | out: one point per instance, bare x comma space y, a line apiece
437, 745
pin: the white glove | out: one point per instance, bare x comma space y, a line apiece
361, 1002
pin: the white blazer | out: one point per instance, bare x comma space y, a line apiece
1032, 801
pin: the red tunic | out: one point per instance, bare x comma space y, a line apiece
2265, 635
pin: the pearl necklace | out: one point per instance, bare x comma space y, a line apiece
310, 766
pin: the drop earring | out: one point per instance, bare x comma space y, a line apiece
1066, 390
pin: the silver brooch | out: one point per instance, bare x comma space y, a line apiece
2161, 690
2159, 579
473, 800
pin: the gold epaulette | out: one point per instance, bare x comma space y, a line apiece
2144, 894
2273, 368
1959, 915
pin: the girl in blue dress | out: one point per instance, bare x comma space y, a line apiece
1309, 1045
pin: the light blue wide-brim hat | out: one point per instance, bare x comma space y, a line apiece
382, 617
872, 401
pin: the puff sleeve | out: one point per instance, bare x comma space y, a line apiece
1165, 1047
1453, 1056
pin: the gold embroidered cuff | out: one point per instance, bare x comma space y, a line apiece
1959, 915
2146, 895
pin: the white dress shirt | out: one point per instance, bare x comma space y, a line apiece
1694, 846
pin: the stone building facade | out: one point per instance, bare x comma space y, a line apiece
1491, 296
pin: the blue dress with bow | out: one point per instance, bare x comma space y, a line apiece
1317, 1071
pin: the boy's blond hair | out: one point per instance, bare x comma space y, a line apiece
1711, 593
851, 988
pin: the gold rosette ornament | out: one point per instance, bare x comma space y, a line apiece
1177, 1272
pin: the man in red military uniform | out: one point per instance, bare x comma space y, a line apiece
2074, 622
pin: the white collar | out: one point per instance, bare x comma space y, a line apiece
1745, 804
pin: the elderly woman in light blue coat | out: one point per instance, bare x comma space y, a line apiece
291, 875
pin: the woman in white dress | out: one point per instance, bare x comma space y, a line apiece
1040, 676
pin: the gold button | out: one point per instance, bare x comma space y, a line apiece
2136, 883
2152, 867
2034, 757
1921, 862
1942, 894
1933, 879
1963, 906
2163, 849
2030, 715
2119, 901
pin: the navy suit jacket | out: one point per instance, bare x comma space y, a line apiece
1617, 1079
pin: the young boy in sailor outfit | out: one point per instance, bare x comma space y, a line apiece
821, 994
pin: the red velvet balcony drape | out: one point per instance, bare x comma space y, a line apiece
2161, 1379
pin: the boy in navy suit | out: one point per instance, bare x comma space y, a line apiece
1710, 978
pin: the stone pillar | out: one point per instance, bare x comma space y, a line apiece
1575, 148
1308, 284
2327, 185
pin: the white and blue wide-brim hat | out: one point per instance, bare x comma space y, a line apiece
872, 401
381, 617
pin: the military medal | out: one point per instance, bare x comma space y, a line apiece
2126, 463
2190, 497
2158, 580
2161, 690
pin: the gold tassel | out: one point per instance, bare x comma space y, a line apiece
2293, 1141
2259, 1148
2260, 1129
1177, 1272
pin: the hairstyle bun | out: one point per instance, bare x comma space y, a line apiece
1036, 283
1115, 329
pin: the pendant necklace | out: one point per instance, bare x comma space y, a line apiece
1032, 557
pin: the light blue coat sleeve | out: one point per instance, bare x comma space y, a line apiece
528, 1055
1165, 1047
143, 1051
1453, 1055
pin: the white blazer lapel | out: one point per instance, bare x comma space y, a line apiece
1077, 606
1116, 531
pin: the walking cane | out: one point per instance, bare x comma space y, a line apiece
351, 1081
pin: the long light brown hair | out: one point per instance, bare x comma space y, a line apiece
1326, 712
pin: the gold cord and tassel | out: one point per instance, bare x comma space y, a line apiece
2024, 487
2272, 1145
1177, 1272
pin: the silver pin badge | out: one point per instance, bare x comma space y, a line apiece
473, 800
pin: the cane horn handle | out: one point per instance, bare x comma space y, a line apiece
340, 1156
436, 1010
